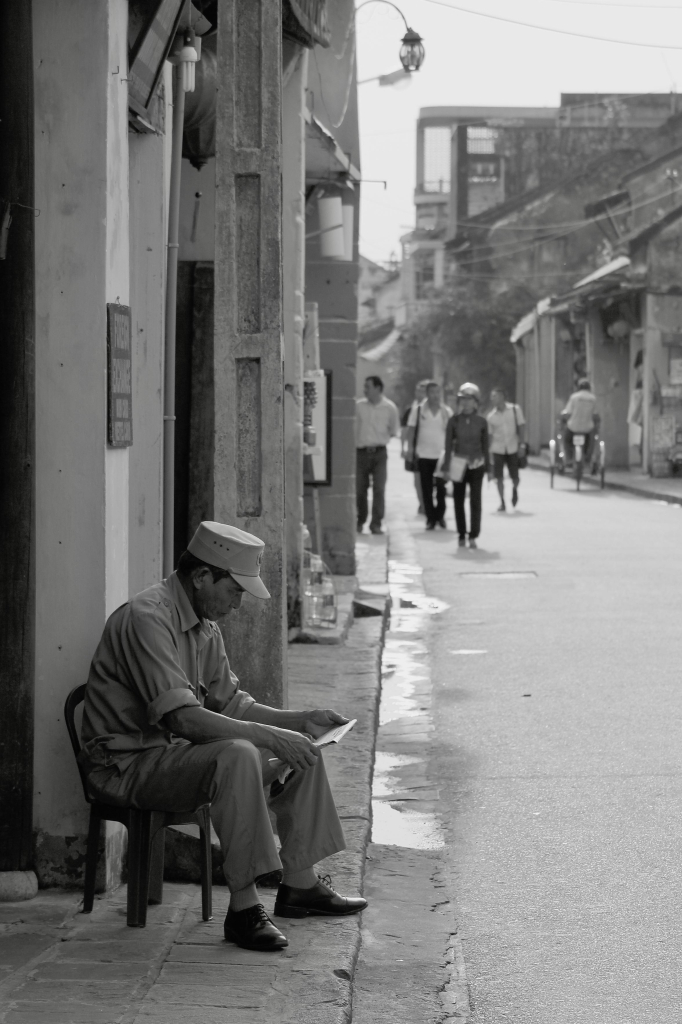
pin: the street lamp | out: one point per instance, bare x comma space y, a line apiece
412, 48
412, 51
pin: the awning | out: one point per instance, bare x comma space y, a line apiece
373, 355
620, 263
312, 17
324, 158
528, 322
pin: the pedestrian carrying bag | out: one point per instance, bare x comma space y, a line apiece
523, 449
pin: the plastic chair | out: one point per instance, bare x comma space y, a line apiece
145, 840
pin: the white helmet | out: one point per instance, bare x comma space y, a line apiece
469, 390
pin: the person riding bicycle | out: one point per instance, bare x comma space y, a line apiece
579, 417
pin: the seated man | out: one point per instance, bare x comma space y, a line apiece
166, 727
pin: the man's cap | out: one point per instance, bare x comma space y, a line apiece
238, 552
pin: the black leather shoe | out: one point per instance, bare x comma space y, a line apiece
320, 901
253, 929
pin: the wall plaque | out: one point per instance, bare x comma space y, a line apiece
119, 376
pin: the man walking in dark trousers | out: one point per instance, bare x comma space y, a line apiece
377, 422
426, 442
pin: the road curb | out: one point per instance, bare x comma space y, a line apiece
613, 485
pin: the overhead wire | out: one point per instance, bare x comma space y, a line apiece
540, 241
550, 28
567, 223
604, 3
574, 226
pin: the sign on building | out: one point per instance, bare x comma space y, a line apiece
120, 376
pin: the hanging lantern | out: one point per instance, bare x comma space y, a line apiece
332, 237
412, 51
348, 213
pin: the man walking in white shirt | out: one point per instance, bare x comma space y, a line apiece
377, 422
507, 429
426, 439
419, 396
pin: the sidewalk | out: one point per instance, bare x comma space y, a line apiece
60, 967
633, 481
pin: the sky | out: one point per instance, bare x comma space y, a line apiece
474, 60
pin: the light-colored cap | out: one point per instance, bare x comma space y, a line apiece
237, 551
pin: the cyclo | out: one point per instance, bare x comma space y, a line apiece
584, 453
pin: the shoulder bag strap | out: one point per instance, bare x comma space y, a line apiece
416, 430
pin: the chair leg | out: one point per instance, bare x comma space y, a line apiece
91, 859
204, 820
156, 860
138, 867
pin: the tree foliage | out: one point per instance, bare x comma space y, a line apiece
471, 324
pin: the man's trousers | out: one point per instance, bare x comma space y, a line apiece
371, 464
426, 470
230, 775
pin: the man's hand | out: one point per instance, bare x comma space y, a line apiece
292, 748
317, 723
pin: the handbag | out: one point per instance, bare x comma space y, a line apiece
523, 447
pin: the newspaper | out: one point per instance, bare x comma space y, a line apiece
334, 735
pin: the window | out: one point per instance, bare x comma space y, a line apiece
481, 140
424, 273
437, 159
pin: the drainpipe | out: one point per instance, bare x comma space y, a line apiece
183, 82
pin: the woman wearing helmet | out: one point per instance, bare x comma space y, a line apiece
466, 436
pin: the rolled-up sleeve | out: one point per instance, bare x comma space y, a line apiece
161, 679
224, 695
170, 700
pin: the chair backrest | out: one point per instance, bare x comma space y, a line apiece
76, 697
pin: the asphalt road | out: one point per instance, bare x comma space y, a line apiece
557, 747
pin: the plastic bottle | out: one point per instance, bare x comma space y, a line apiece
328, 601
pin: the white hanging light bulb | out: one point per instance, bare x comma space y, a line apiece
187, 58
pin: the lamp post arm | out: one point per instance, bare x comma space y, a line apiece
395, 8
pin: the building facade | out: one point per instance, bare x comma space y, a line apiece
88, 97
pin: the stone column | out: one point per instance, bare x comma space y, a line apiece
248, 464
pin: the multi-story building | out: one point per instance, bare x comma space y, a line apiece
473, 161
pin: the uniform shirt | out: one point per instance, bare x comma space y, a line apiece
431, 436
504, 436
155, 656
376, 424
580, 412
